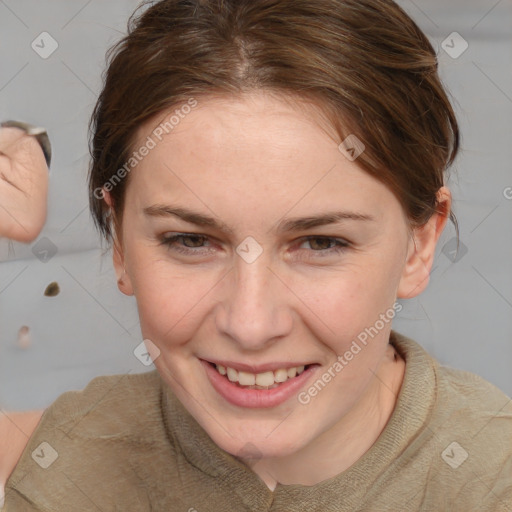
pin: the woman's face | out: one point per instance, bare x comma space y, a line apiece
257, 283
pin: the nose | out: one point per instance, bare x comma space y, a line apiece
254, 311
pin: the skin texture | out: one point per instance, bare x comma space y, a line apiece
250, 162
23, 185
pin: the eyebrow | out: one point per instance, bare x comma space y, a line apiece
284, 226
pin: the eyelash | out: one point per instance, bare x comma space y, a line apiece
170, 242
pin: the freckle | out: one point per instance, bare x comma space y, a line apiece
52, 289
24, 340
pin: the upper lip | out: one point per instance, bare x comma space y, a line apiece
256, 368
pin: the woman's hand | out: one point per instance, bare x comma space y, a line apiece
23, 185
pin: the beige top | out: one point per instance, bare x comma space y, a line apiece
125, 443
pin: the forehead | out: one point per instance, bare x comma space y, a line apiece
256, 146
211, 122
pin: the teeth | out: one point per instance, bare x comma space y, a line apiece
247, 379
232, 375
281, 375
264, 379
292, 372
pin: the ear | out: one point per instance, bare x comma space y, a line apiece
422, 246
123, 279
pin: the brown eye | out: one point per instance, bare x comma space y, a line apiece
325, 245
185, 243
196, 240
320, 243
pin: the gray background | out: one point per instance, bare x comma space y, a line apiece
464, 318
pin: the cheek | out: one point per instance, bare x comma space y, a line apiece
335, 305
350, 298
170, 304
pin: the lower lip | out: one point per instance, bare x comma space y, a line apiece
256, 398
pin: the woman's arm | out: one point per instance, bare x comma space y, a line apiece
15, 431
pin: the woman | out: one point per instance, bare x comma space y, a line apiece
271, 177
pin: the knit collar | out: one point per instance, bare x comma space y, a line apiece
414, 405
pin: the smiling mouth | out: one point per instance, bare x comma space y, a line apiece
264, 380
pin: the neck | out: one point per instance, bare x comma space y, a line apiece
345, 443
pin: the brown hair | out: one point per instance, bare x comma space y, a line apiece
365, 63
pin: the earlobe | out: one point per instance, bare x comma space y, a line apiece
421, 249
416, 272
123, 279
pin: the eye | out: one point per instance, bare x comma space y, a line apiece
191, 246
326, 245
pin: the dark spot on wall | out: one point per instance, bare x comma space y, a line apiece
52, 289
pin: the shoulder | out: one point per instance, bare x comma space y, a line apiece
463, 402
15, 431
94, 436
473, 420
116, 397
479, 412
460, 392
473, 423
464, 443
467, 398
